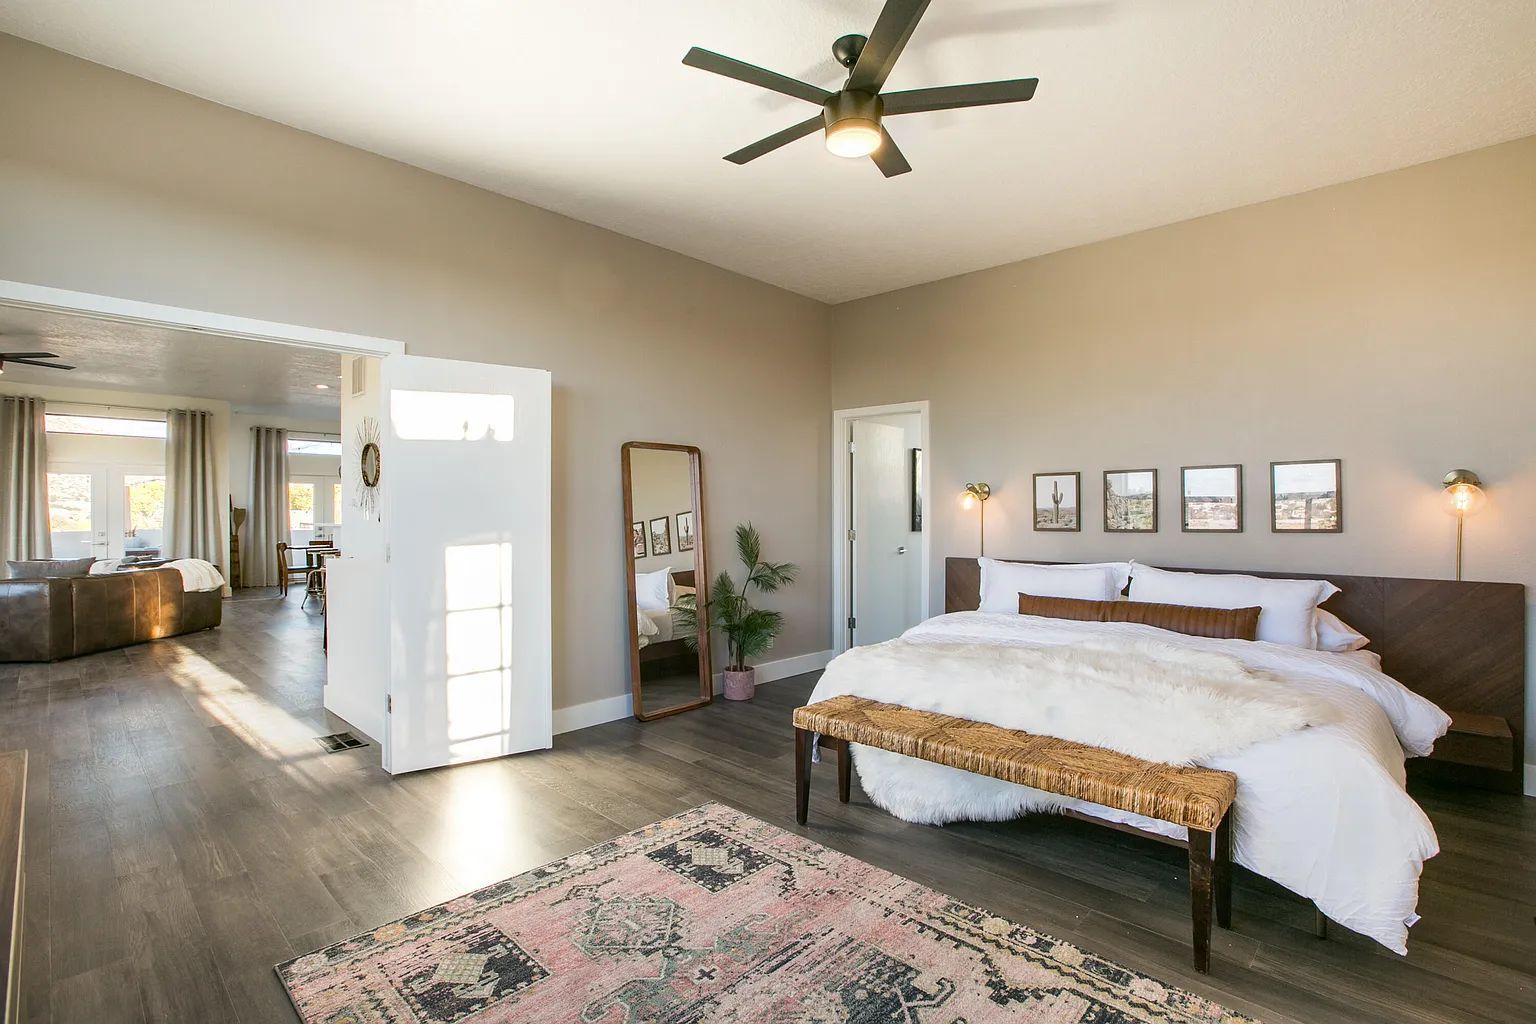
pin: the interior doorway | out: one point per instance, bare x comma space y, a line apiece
476, 628
881, 568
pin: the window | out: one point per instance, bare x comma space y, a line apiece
143, 514
301, 509
313, 446
69, 514
112, 426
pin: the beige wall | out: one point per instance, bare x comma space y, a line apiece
113, 185
1389, 322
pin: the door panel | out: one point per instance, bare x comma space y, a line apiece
466, 481
885, 563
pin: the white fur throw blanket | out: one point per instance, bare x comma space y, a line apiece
1143, 697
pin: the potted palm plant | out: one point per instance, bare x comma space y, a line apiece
748, 631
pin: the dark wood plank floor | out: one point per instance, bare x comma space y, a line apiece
186, 833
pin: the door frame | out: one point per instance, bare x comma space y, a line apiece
153, 314
842, 581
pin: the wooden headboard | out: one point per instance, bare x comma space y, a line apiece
1461, 644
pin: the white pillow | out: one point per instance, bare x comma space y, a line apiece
652, 590
1288, 607
1003, 582
1336, 635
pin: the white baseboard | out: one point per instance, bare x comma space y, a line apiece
770, 671
1530, 780
593, 712
611, 709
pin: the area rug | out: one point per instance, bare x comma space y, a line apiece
714, 916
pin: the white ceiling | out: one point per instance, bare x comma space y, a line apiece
253, 375
1148, 112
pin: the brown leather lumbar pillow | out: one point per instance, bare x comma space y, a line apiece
1216, 623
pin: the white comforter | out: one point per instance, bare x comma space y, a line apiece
655, 625
1322, 810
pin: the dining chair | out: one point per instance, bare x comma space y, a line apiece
286, 572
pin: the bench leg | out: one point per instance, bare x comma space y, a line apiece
1201, 895
1319, 923
1223, 869
802, 774
844, 770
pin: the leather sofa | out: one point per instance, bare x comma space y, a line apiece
67, 616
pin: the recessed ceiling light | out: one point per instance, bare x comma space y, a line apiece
323, 387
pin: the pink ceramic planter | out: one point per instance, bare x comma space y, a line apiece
740, 685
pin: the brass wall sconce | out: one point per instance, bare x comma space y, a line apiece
1464, 497
971, 497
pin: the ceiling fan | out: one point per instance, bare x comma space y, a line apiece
31, 359
852, 115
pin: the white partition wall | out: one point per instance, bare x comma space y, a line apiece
357, 606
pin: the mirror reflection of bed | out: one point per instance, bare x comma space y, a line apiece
664, 528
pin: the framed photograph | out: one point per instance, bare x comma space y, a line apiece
637, 539
1305, 497
685, 530
661, 535
1057, 505
1130, 501
1212, 499
917, 490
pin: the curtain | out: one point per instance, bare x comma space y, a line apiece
23, 480
266, 521
191, 492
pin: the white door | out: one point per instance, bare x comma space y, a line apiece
882, 551
466, 484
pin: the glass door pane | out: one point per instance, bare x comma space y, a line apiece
143, 515
71, 518
301, 514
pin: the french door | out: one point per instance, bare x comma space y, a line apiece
106, 511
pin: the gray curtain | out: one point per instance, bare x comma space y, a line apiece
191, 493
23, 480
266, 520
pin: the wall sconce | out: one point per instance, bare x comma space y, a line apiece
1463, 497
973, 495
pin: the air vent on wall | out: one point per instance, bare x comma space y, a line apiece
359, 376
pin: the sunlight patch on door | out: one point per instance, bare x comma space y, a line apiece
477, 603
451, 416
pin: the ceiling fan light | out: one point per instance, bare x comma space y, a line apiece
853, 137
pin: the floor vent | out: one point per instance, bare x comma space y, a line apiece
340, 741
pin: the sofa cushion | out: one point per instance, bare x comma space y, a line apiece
45, 568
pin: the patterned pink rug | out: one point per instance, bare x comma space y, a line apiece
713, 916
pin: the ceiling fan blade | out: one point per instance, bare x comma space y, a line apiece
777, 139
892, 29
949, 97
29, 355
888, 157
707, 60
34, 362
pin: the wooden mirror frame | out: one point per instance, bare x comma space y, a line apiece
700, 574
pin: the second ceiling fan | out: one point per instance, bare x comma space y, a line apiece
853, 116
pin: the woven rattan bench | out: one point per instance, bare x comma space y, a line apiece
1198, 799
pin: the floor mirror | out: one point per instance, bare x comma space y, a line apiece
664, 529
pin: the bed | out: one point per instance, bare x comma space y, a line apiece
1322, 809
659, 639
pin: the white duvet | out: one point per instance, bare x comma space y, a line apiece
655, 625
1321, 810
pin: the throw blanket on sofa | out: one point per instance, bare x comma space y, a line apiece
196, 574
1142, 697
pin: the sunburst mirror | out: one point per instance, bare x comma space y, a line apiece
370, 466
